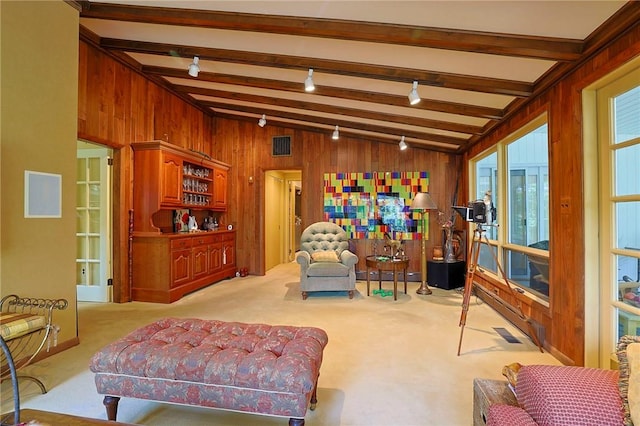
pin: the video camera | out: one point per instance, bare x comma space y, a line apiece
478, 211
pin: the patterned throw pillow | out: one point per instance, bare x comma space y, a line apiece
627, 360
569, 395
325, 256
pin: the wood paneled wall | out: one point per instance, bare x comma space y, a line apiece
247, 147
564, 320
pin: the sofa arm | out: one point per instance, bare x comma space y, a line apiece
508, 415
304, 259
348, 259
557, 394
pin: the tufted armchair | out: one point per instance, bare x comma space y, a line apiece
569, 395
326, 264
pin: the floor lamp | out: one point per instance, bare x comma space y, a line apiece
423, 202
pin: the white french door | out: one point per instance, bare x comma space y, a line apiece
93, 218
618, 109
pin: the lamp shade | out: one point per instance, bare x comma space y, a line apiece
403, 145
414, 98
423, 201
308, 82
194, 69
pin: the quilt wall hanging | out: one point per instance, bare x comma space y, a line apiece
369, 204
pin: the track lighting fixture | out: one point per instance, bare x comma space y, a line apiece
263, 121
403, 145
336, 134
414, 98
194, 69
308, 83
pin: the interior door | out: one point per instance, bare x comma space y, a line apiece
93, 219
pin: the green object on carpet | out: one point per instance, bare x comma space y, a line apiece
383, 292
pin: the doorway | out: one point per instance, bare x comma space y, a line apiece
282, 218
93, 223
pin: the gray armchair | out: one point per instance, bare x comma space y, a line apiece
326, 264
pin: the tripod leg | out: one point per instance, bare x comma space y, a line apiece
468, 286
520, 313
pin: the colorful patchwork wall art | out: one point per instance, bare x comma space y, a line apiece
369, 204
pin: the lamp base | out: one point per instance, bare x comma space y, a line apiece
424, 289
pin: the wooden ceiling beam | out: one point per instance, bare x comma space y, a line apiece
344, 132
315, 121
376, 72
548, 48
333, 109
334, 92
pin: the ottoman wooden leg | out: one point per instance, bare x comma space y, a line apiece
111, 402
296, 422
314, 397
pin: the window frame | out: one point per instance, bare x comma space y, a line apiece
501, 245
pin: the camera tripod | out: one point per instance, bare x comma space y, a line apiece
474, 252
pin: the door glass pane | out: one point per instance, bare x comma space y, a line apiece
94, 248
81, 248
628, 324
81, 198
94, 221
627, 164
81, 169
94, 195
81, 221
628, 268
628, 224
94, 274
94, 169
626, 117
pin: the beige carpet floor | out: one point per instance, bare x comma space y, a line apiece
387, 362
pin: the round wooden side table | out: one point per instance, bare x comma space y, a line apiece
386, 263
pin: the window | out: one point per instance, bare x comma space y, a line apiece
516, 172
618, 109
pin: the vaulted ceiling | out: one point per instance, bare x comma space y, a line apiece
475, 62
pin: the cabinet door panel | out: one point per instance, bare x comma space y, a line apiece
180, 267
200, 256
219, 189
171, 188
229, 254
215, 258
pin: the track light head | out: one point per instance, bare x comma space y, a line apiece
194, 69
336, 134
308, 82
403, 145
414, 98
263, 121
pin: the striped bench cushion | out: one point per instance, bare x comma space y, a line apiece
13, 325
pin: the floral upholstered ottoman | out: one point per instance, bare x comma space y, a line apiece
254, 368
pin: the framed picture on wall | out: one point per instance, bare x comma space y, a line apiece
42, 195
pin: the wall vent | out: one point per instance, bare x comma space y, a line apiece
281, 146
